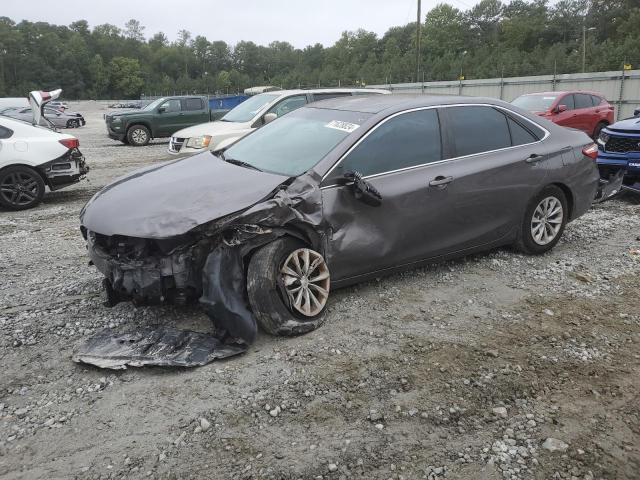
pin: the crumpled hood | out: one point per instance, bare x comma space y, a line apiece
217, 128
170, 199
628, 124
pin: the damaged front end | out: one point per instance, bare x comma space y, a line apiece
208, 263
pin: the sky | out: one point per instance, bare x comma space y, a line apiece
300, 22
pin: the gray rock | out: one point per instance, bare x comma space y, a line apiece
555, 445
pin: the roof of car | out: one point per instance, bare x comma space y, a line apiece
562, 92
396, 102
325, 90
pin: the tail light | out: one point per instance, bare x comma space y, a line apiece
591, 151
70, 143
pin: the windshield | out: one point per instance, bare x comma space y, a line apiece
153, 104
295, 143
248, 109
535, 103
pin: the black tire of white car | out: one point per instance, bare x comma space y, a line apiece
138, 136
544, 221
266, 290
20, 188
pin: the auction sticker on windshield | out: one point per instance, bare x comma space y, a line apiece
344, 126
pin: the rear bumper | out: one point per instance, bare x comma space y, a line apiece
64, 171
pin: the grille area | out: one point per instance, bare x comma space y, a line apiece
623, 144
175, 144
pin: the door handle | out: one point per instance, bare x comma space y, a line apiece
534, 158
440, 181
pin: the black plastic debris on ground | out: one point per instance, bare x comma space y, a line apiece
154, 345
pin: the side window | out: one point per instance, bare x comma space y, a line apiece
325, 96
407, 140
568, 101
191, 104
5, 132
171, 106
519, 134
582, 100
477, 129
289, 105
596, 100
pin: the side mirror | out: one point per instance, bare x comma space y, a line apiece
362, 190
269, 117
162, 110
561, 108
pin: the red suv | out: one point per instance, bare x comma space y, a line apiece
586, 111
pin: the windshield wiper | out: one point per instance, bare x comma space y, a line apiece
240, 163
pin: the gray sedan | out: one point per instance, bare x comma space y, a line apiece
58, 118
332, 194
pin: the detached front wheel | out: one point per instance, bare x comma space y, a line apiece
288, 286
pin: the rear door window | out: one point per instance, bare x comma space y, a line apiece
476, 129
408, 140
596, 100
192, 104
5, 132
582, 100
519, 134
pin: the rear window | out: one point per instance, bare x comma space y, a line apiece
191, 104
582, 100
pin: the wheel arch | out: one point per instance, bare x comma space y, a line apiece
144, 123
35, 168
569, 196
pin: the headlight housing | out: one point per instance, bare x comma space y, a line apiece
603, 138
199, 142
114, 119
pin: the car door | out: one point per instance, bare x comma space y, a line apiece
585, 116
393, 157
168, 117
499, 164
568, 118
194, 111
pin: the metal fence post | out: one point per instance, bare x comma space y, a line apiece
460, 86
555, 68
502, 83
621, 96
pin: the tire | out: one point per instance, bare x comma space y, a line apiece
275, 312
20, 188
552, 229
599, 127
138, 135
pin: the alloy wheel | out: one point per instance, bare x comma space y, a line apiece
547, 221
19, 189
139, 136
306, 278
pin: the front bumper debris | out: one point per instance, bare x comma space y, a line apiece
609, 187
154, 345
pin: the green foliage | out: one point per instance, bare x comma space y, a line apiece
518, 38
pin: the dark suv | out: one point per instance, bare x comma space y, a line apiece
619, 149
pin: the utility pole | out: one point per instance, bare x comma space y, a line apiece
418, 35
584, 46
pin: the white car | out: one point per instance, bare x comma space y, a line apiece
250, 115
33, 157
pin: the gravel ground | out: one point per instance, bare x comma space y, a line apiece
496, 366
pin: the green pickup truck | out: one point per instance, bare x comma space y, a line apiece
161, 118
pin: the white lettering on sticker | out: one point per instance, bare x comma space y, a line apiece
344, 126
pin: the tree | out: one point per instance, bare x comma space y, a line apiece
133, 30
126, 77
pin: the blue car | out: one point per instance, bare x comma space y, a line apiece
619, 150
